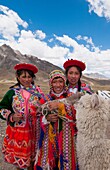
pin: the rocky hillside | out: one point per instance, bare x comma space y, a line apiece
10, 57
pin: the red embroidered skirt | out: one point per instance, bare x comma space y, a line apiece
19, 145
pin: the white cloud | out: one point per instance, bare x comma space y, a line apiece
26, 35
85, 38
38, 48
89, 43
41, 35
57, 49
100, 7
9, 23
50, 40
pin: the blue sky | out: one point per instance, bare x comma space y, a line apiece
59, 30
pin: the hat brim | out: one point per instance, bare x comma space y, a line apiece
78, 63
26, 66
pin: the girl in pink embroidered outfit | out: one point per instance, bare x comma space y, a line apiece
19, 108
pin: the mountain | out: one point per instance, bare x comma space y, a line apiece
95, 75
10, 57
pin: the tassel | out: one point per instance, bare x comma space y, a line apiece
51, 135
37, 155
61, 109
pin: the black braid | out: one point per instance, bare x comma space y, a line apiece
79, 85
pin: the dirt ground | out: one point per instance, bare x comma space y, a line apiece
3, 165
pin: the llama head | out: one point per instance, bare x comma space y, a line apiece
89, 101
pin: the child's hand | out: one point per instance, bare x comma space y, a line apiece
17, 117
52, 117
53, 105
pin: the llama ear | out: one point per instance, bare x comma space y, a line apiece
94, 100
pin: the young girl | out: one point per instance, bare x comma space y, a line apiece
57, 141
19, 108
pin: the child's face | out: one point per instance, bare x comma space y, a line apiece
25, 79
73, 76
58, 85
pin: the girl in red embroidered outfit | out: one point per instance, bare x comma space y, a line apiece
56, 145
19, 108
73, 71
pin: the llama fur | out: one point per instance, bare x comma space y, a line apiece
93, 140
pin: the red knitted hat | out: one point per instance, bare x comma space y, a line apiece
72, 62
26, 66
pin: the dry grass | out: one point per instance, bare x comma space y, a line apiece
99, 87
